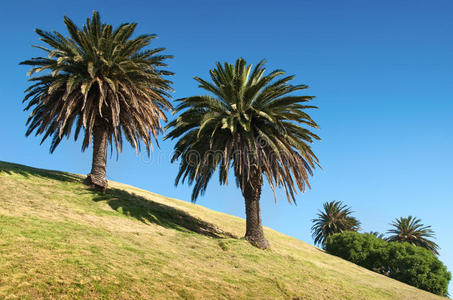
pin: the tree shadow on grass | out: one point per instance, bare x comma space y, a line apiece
146, 211
130, 204
10, 169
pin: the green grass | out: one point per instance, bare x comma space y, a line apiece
58, 239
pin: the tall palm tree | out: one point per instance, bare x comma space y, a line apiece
413, 231
336, 217
251, 124
100, 81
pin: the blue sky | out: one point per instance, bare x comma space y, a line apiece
381, 71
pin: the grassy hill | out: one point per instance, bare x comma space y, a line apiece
60, 240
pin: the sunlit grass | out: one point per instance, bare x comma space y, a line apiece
60, 240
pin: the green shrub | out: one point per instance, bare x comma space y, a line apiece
402, 261
365, 250
418, 267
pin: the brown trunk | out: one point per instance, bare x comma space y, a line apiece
254, 229
96, 178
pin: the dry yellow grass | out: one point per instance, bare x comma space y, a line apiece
61, 240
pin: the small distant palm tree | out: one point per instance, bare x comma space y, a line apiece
413, 231
335, 218
101, 82
377, 234
250, 123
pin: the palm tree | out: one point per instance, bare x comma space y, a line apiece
413, 231
251, 124
377, 234
102, 82
335, 218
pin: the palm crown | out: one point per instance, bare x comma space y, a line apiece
250, 123
98, 74
336, 217
411, 230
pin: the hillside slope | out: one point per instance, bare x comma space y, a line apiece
60, 240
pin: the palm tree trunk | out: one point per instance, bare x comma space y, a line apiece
96, 178
254, 229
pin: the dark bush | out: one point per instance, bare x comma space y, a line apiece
365, 250
418, 267
402, 261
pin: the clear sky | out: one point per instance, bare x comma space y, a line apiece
381, 71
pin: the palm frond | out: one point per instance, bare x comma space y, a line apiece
335, 218
413, 231
253, 122
98, 74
